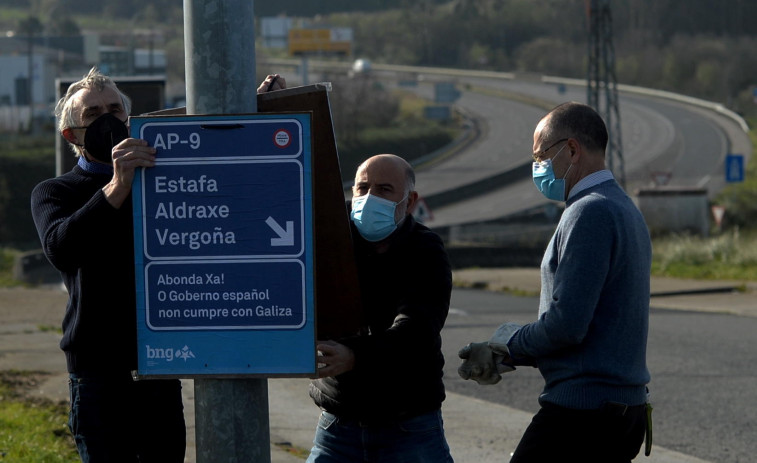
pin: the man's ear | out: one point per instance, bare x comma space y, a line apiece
575, 150
70, 137
412, 202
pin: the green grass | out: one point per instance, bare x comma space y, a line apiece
731, 255
32, 430
293, 450
36, 147
7, 256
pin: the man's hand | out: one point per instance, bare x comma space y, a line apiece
334, 358
272, 83
482, 364
128, 155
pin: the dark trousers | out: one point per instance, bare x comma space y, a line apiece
117, 420
558, 434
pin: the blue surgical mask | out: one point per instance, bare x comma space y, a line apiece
374, 216
544, 179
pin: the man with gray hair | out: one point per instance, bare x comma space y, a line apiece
84, 222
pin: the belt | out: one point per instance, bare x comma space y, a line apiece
618, 409
366, 423
373, 422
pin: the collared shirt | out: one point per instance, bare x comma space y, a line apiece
591, 180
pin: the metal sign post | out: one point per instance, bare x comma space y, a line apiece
231, 415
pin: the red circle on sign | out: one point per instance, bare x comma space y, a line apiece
282, 138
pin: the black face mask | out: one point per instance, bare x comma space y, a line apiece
102, 135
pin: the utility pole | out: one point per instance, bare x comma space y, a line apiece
30, 82
231, 415
30, 26
602, 81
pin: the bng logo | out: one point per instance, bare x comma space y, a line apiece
169, 354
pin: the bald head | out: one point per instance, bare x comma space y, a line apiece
387, 176
390, 164
576, 132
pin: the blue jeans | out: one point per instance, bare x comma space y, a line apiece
416, 440
117, 420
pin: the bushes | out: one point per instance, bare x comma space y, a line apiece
25, 161
369, 119
740, 199
409, 142
730, 256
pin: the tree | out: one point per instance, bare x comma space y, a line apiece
30, 27
60, 23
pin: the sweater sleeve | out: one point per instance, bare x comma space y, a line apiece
413, 336
68, 221
578, 260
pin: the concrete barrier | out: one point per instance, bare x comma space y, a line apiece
675, 210
32, 267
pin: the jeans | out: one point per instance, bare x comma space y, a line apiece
117, 420
415, 440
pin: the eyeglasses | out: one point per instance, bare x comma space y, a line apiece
538, 157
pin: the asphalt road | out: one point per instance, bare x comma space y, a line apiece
478, 430
686, 142
703, 379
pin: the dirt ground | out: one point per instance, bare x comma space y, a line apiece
30, 326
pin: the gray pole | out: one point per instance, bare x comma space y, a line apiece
231, 415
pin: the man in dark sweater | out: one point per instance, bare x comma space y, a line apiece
84, 220
381, 392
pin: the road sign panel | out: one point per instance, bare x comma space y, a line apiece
734, 168
219, 139
223, 246
225, 295
445, 92
224, 209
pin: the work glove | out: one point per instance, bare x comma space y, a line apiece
482, 363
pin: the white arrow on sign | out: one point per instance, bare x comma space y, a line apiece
286, 237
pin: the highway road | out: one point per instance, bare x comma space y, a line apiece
702, 382
660, 136
663, 134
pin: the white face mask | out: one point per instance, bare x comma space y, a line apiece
374, 216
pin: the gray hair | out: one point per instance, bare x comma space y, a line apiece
93, 80
409, 179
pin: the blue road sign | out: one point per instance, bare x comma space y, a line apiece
438, 113
223, 246
445, 92
734, 168
244, 209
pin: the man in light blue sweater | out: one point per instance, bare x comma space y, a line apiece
589, 341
